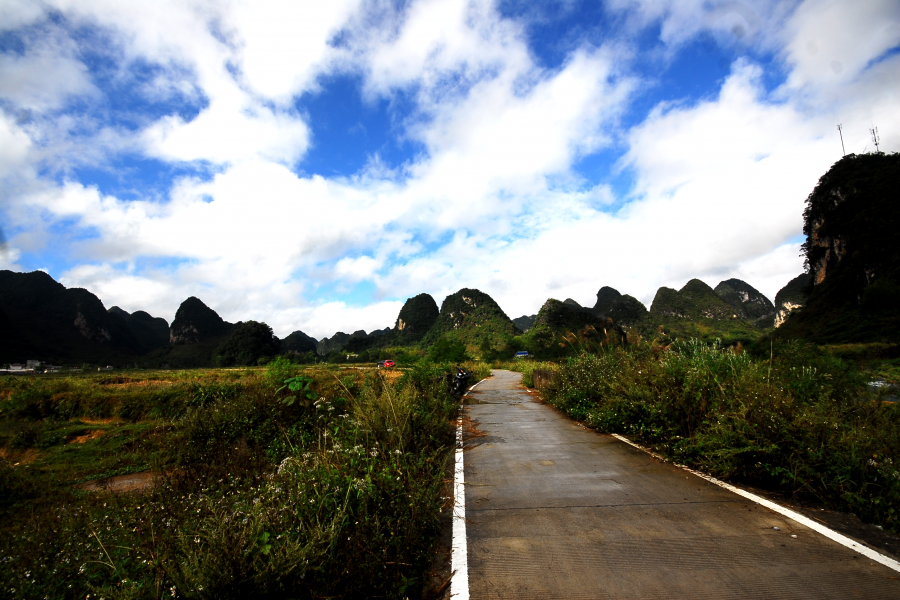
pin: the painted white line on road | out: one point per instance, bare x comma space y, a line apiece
459, 561
817, 527
459, 556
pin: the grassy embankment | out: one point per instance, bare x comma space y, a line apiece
799, 419
331, 490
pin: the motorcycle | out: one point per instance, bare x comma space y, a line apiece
459, 382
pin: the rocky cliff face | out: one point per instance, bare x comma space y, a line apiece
791, 297
852, 252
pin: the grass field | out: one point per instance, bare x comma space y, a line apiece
330, 487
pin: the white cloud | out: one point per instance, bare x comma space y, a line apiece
17, 13
356, 268
285, 44
229, 131
732, 22
14, 147
45, 76
492, 201
124, 289
829, 43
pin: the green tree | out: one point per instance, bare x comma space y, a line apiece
249, 342
485, 349
446, 349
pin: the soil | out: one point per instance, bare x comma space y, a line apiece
98, 421
19, 457
135, 483
91, 435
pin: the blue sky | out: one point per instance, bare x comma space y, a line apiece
312, 165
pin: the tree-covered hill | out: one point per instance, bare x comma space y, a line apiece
623, 309
196, 332
45, 321
696, 311
196, 322
249, 343
151, 332
560, 317
470, 316
748, 302
298, 343
416, 318
525, 322
606, 298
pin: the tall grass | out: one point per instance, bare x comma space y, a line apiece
257, 496
527, 367
798, 420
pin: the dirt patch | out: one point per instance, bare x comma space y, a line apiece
90, 435
135, 483
139, 384
103, 421
19, 457
391, 374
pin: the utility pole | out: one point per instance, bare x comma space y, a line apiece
841, 133
875, 138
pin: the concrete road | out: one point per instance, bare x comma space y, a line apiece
557, 511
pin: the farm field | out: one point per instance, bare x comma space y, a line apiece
218, 483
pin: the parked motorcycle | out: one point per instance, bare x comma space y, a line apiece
459, 383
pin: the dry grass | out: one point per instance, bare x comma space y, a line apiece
87, 437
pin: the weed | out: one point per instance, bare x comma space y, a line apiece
254, 496
796, 419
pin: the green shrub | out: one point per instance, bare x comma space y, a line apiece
798, 420
446, 349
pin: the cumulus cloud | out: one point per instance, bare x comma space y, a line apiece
45, 75
493, 199
829, 44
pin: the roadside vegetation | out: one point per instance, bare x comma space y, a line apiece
267, 482
787, 416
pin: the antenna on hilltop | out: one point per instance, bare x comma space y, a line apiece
841, 133
875, 138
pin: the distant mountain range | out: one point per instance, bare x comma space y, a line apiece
41, 319
851, 293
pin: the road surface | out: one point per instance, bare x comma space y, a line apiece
557, 511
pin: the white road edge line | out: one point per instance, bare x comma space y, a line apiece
459, 555
817, 527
